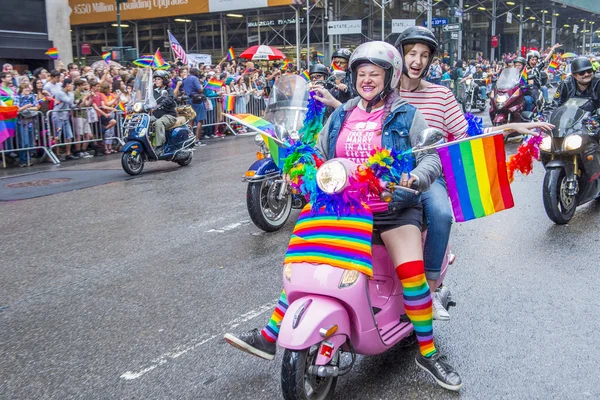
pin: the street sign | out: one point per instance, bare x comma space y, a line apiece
454, 35
399, 25
437, 22
452, 27
509, 17
458, 13
86, 49
344, 27
494, 41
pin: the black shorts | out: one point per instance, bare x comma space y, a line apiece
105, 121
408, 216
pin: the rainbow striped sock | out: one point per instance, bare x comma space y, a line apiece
417, 303
271, 331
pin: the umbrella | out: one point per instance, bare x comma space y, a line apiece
102, 64
262, 53
569, 55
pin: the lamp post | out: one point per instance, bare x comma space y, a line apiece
119, 30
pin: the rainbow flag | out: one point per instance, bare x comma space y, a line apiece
320, 55
306, 76
230, 54
121, 107
476, 177
321, 237
553, 66
287, 64
335, 67
214, 84
276, 148
524, 76
53, 53
228, 102
144, 61
253, 122
8, 122
106, 56
158, 61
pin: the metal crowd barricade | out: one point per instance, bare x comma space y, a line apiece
215, 116
30, 138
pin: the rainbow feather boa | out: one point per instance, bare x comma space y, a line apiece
313, 122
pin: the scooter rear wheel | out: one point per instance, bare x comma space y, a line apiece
133, 165
298, 384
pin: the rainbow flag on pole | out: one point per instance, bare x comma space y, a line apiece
286, 64
230, 54
144, 61
121, 107
158, 61
253, 122
476, 177
228, 102
335, 67
275, 148
214, 84
106, 56
8, 121
553, 66
306, 76
53, 53
524, 76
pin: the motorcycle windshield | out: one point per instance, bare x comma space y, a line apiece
287, 105
142, 89
509, 78
568, 118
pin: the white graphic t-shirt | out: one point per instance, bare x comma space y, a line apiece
360, 134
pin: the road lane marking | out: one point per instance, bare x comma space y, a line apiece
195, 343
229, 227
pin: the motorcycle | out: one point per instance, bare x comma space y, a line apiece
334, 310
138, 127
268, 197
571, 156
471, 97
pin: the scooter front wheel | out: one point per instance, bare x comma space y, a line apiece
132, 164
297, 383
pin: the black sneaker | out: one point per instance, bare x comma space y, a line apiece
252, 342
72, 157
441, 371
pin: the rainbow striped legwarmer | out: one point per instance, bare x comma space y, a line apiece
271, 331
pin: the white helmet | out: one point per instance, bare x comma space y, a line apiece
383, 55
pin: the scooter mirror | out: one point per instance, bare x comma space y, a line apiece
429, 137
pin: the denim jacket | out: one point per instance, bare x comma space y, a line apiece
399, 132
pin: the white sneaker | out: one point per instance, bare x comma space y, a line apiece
439, 312
85, 154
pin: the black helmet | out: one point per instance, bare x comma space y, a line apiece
318, 69
581, 64
413, 35
519, 60
342, 53
162, 74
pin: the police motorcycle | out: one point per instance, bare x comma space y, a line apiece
268, 197
471, 97
138, 128
571, 156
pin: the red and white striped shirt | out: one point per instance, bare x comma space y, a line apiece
440, 109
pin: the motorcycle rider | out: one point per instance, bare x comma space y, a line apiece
534, 69
376, 68
519, 63
343, 90
581, 83
479, 76
165, 113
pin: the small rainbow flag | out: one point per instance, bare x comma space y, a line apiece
8, 122
53, 53
144, 61
121, 107
275, 149
524, 76
214, 84
476, 177
287, 64
158, 61
321, 237
335, 67
228, 102
230, 54
553, 66
106, 56
253, 122
320, 55
306, 76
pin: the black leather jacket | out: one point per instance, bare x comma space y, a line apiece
568, 89
165, 105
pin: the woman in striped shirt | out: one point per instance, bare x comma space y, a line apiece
440, 109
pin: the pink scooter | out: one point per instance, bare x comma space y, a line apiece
333, 310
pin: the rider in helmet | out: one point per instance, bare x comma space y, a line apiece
379, 117
165, 113
519, 63
581, 83
534, 69
318, 73
339, 62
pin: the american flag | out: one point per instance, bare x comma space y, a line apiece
177, 49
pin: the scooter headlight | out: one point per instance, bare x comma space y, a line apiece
258, 139
572, 142
501, 99
332, 177
287, 272
546, 144
138, 107
349, 278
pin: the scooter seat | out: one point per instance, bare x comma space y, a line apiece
181, 121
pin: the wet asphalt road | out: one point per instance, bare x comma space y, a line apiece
124, 291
